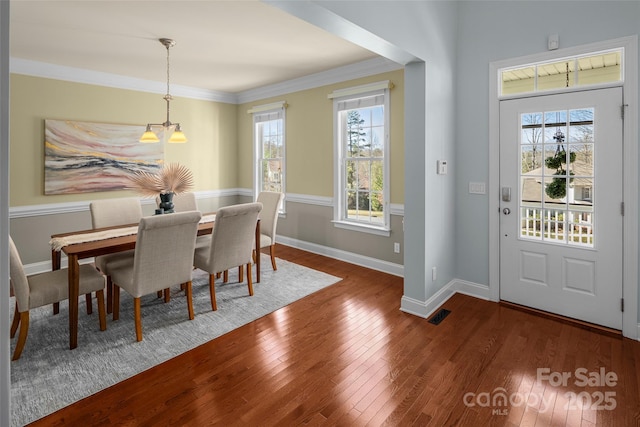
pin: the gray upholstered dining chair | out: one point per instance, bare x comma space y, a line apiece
47, 288
230, 245
182, 202
163, 258
269, 221
110, 213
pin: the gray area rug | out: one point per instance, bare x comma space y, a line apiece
49, 376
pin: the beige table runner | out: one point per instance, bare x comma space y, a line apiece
57, 243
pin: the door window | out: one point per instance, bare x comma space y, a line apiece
557, 176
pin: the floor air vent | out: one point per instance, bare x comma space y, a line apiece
439, 316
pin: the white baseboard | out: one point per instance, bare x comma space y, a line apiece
427, 308
43, 266
350, 257
472, 289
638, 333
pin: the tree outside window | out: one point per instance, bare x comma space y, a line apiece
362, 161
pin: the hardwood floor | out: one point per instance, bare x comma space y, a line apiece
348, 356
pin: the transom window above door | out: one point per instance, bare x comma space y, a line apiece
577, 71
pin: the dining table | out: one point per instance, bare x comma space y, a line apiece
79, 245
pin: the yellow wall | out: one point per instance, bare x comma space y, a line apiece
211, 152
309, 133
219, 151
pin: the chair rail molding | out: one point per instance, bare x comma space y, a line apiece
70, 207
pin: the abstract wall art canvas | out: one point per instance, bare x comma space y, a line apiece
85, 157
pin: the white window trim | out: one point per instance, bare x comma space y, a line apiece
280, 106
338, 201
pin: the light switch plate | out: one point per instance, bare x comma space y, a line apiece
442, 167
477, 188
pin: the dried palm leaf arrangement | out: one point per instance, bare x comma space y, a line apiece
172, 178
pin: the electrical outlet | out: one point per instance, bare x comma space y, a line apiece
433, 274
396, 247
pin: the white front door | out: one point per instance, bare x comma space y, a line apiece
561, 204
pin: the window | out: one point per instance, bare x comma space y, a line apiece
557, 175
269, 148
362, 158
592, 69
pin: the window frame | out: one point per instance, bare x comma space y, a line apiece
340, 219
261, 114
575, 83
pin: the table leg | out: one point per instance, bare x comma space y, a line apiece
258, 252
56, 257
74, 284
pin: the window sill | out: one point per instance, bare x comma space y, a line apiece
371, 229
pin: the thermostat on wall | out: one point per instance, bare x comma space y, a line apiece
442, 167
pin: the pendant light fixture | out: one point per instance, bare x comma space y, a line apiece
177, 136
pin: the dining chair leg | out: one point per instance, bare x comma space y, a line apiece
22, 337
56, 308
167, 295
187, 290
87, 298
212, 291
249, 279
109, 295
240, 273
218, 275
272, 252
102, 316
225, 276
138, 318
16, 321
116, 302
159, 294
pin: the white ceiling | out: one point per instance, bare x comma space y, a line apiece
227, 46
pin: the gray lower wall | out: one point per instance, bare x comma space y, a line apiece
312, 224
303, 222
31, 234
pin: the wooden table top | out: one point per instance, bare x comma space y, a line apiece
112, 244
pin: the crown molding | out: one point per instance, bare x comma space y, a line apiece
79, 75
336, 75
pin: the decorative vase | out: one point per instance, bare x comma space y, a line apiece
166, 202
